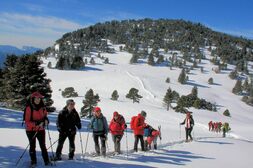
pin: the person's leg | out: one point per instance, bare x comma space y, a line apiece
155, 143
32, 141
186, 134
62, 138
71, 138
41, 136
97, 148
189, 132
118, 139
103, 146
136, 140
142, 142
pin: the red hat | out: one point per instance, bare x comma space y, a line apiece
36, 94
115, 114
97, 109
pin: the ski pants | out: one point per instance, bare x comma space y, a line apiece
97, 147
41, 136
188, 133
62, 138
116, 140
136, 141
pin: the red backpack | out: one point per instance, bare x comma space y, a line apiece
132, 126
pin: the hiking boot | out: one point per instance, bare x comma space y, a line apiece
48, 163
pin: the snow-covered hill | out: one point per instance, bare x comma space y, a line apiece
208, 149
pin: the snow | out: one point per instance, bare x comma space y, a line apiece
207, 150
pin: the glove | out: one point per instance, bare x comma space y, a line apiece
46, 122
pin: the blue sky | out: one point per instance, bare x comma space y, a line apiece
40, 22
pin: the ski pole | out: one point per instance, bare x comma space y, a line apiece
51, 146
25, 149
81, 141
126, 144
87, 140
179, 131
107, 146
53, 143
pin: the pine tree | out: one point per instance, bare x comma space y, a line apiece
210, 81
226, 113
246, 86
151, 60
167, 80
49, 65
197, 104
168, 98
115, 95
89, 103
106, 61
134, 58
182, 77
92, 61
25, 77
160, 59
77, 63
233, 74
133, 94
194, 92
60, 63
237, 88
69, 92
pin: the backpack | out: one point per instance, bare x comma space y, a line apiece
24, 114
132, 126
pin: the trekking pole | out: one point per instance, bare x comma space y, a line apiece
87, 140
81, 141
51, 146
53, 143
25, 149
107, 146
179, 131
126, 144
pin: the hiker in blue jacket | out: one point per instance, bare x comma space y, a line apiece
99, 126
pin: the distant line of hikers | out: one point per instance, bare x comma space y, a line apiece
68, 121
218, 127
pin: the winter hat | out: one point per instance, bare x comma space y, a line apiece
69, 101
37, 95
143, 113
115, 114
97, 109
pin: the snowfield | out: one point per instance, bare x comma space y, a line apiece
207, 150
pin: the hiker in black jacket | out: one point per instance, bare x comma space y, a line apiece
189, 123
68, 120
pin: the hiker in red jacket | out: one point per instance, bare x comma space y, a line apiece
138, 128
117, 127
35, 120
210, 124
152, 135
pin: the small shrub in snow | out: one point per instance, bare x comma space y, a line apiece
226, 113
69, 92
168, 80
210, 81
115, 95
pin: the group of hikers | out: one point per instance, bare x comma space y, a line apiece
68, 121
218, 127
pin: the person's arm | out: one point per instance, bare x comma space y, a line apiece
78, 121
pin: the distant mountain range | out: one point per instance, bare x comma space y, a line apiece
8, 49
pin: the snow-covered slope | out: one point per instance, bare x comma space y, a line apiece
208, 149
